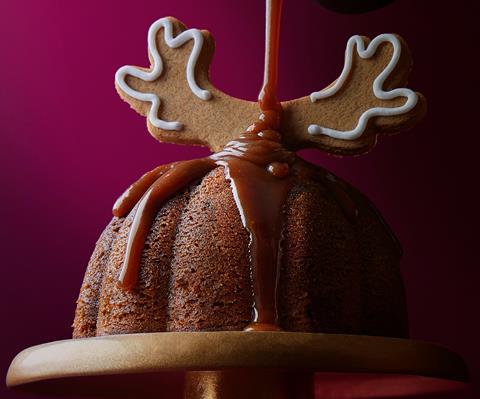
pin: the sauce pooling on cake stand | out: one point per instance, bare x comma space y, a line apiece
261, 172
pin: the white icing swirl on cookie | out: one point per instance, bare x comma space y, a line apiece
365, 53
157, 69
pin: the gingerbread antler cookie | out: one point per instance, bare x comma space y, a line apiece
182, 106
175, 94
366, 100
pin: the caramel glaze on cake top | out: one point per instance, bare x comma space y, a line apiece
163, 265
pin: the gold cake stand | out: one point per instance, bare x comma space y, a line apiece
236, 364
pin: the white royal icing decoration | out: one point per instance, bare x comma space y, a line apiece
156, 71
367, 52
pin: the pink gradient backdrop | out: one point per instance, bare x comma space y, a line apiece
69, 145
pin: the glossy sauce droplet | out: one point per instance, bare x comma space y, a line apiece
279, 169
271, 135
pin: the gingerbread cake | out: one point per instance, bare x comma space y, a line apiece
339, 272
252, 237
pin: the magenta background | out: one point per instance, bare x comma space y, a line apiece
69, 145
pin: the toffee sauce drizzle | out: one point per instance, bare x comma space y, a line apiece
261, 173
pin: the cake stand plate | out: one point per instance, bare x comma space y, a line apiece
236, 364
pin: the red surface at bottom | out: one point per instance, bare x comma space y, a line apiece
363, 386
327, 386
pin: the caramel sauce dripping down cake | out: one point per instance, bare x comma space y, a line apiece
252, 237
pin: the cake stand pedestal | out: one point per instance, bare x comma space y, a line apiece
236, 364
